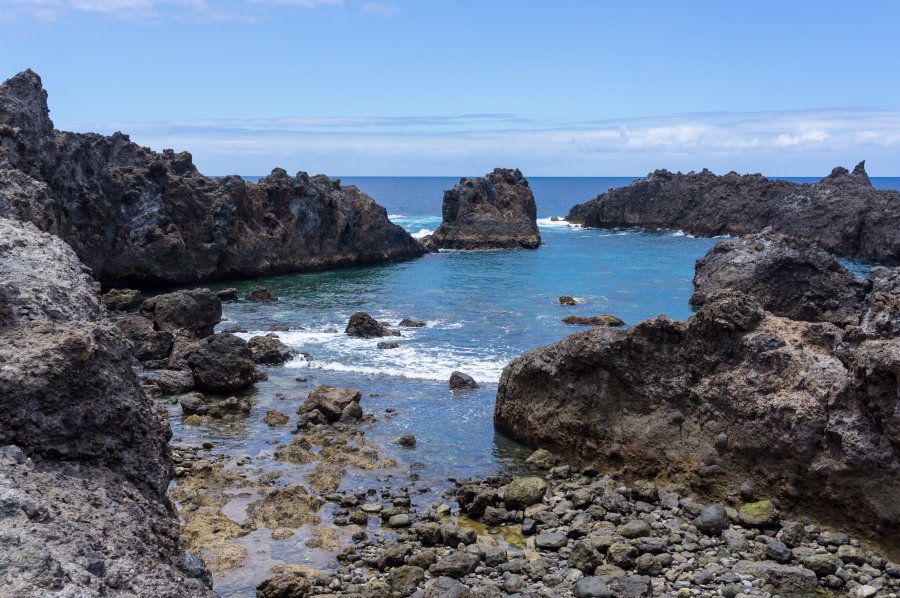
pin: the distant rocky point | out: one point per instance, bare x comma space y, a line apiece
843, 213
142, 218
493, 212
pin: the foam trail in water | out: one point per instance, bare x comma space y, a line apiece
560, 223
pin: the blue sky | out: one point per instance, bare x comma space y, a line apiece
434, 87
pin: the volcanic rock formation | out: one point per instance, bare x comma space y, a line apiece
805, 412
84, 461
494, 212
141, 218
843, 213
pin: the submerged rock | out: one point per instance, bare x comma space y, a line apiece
603, 320
494, 212
567, 300
409, 323
836, 213
757, 396
138, 217
261, 294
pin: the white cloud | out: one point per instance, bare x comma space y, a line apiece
377, 8
778, 143
151, 10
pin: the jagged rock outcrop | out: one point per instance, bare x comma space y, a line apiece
493, 212
799, 280
802, 411
843, 213
786, 276
141, 218
84, 463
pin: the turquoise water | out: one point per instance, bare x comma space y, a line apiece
482, 309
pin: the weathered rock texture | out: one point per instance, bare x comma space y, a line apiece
141, 218
799, 280
843, 213
494, 212
85, 463
803, 411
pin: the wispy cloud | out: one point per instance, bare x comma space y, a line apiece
151, 10
779, 143
378, 8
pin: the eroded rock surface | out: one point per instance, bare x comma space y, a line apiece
802, 411
138, 217
493, 212
85, 462
843, 213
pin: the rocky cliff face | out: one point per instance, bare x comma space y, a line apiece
736, 396
494, 212
843, 213
85, 462
137, 217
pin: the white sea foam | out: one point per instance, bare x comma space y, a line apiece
422, 232
561, 223
681, 233
412, 359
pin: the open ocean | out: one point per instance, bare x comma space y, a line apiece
482, 308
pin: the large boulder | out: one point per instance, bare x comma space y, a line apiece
143, 218
193, 313
804, 411
84, 460
787, 277
493, 212
223, 363
843, 212
148, 344
50, 286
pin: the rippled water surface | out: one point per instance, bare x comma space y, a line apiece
481, 308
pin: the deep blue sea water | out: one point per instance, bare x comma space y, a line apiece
482, 309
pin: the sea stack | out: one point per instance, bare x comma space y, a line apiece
141, 218
496, 211
843, 212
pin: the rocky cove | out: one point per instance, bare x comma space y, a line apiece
320, 439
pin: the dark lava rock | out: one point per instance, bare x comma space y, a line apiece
408, 323
174, 382
330, 401
407, 440
84, 459
605, 394
455, 565
229, 294
787, 277
388, 345
494, 212
193, 404
122, 299
362, 325
591, 587
261, 294
567, 300
147, 343
461, 381
193, 313
836, 213
142, 218
223, 363
603, 320
712, 521
269, 350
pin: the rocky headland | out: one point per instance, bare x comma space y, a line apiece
843, 212
85, 459
496, 211
142, 218
783, 385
